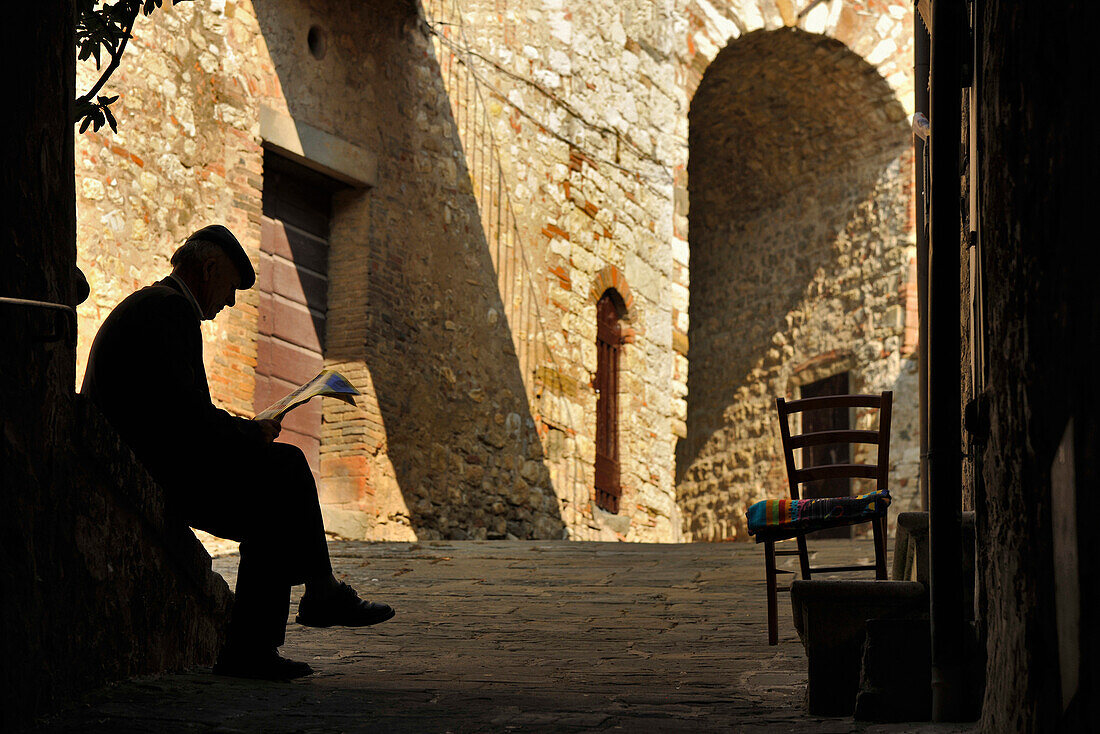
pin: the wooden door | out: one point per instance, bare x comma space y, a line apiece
293, 285
827, 420
608, 345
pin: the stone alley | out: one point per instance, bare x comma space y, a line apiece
516, 636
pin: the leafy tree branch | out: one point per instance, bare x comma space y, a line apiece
102, 31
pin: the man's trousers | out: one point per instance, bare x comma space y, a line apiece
268, 501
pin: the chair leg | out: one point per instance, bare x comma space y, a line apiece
803, 558
773, 611
879, 529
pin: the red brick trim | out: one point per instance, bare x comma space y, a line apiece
612, 277
834, 355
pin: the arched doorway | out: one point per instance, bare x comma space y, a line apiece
800, 234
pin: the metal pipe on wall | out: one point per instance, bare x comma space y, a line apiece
920, 90
944, 459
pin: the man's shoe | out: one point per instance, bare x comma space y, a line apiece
261, 665
342, 607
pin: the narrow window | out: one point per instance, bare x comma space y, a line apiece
827, 420
608, 346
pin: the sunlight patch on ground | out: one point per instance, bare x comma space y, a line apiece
216, 546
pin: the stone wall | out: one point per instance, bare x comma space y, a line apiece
802, 252
1037, 555
184, 156
100, 582
452, 278
527, 156
564, 115
95, 583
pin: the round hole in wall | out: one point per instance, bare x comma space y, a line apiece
317, 38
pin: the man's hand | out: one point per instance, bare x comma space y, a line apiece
269, 429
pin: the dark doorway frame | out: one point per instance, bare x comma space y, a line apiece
293, 285
827, 420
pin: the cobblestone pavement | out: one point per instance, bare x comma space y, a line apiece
516, 636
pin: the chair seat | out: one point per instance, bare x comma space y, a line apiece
775, 520
783, 519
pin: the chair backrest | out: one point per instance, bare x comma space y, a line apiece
879, 472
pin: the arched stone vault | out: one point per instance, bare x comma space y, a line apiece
778, 110
799, 235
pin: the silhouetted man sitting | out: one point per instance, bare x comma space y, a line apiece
222, 473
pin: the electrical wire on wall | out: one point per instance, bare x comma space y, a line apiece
521, 294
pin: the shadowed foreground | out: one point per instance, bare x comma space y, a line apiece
530, 636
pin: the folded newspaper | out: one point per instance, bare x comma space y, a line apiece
328, 382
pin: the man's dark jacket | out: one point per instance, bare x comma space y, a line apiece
146, 374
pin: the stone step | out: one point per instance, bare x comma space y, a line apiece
896, 675
831, 617
160, 595
895, 681
877, 628
911, 545
911, 548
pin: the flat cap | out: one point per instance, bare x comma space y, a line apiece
222, 237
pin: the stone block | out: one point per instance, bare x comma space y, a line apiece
346, 524
896, 671
118, 587
343, 478
830, 617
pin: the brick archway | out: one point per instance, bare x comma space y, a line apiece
612, 278
883, 39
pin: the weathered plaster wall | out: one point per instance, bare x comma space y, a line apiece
614, 88
447, 445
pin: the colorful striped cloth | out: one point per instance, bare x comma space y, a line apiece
815, 514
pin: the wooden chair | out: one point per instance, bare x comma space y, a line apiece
797, 477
